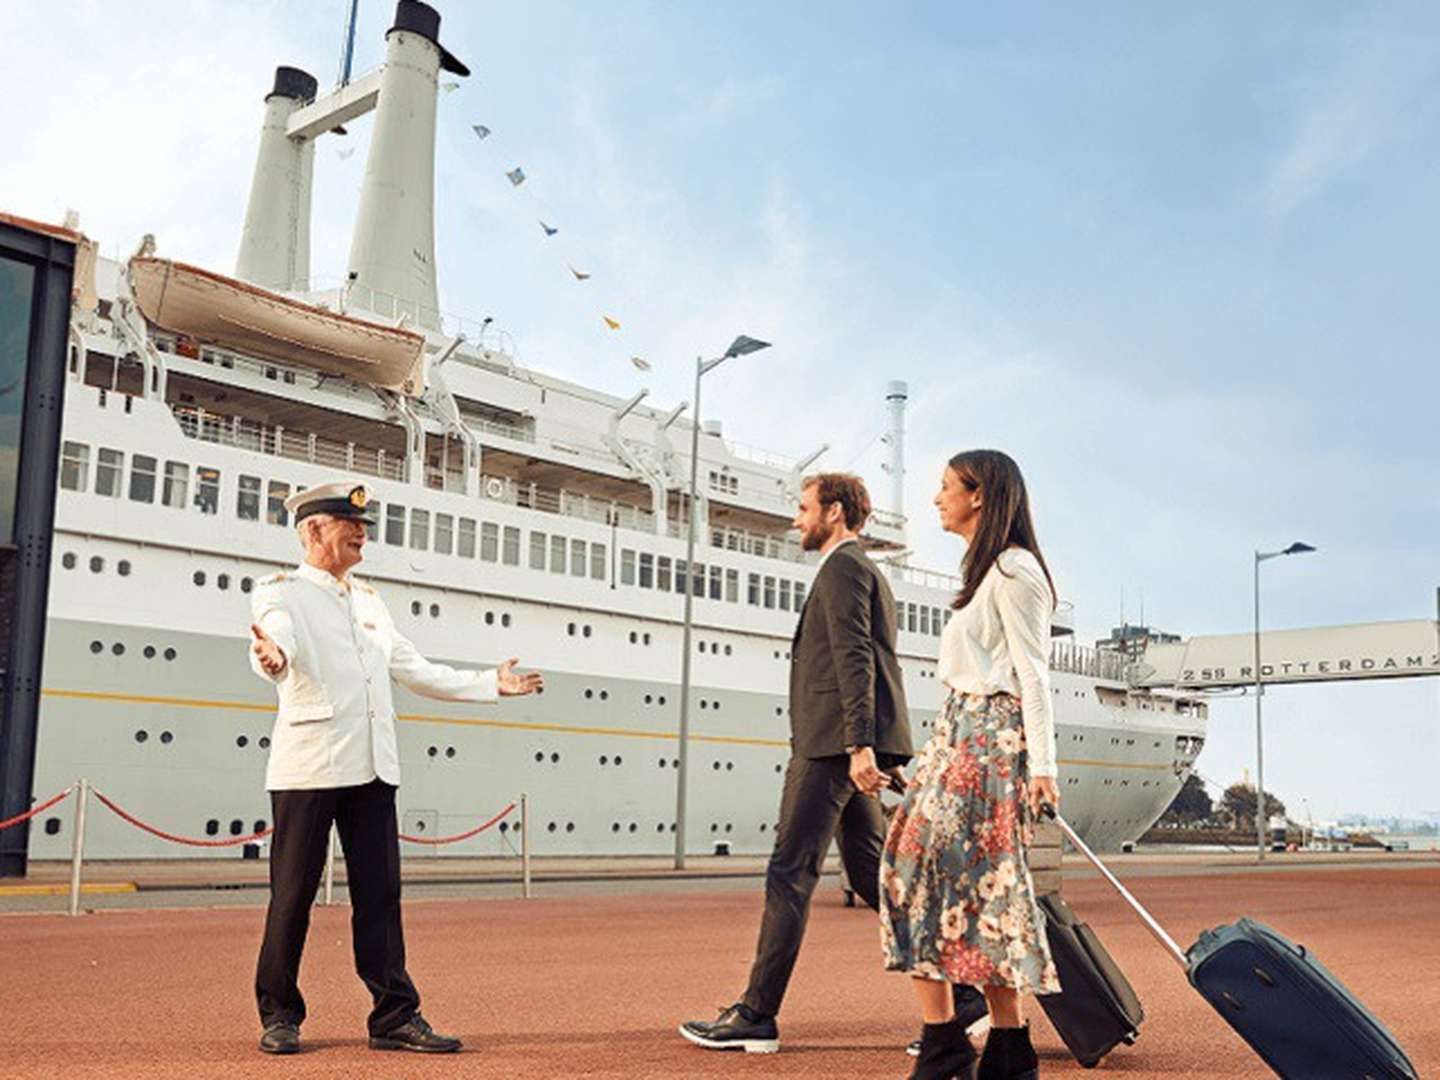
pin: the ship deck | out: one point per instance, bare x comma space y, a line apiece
592, 978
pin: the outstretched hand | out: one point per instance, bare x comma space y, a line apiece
513, 683
271, 658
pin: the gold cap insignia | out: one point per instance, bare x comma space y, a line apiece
359, 498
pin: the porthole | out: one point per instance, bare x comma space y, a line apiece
604, 760
166, 737
660, 827
246, 584
212, 827
714, 827
604, 695
634, 637
554, 758
96, 647
615, 826
704, 704
585, 631
728, 826
662, 699
648, 699
489, 618
763, 826
68, 560
645, 638
617, 759
663, 763
675, 762
52, 826
433, 751
242, 741
414, 607
434, 611
728, 650
715, 765
504, 826
141, 735
633, 826
701, 646
570, 629
505, 619
449, 751
779, 710
264, 742
222, 581
589, 693
96, 564
779, 768
570, 826
169, 654
236, 827
551, 827
538, 755
729, 766
259, 826
123, 568
198, 577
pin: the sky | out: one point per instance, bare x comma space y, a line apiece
1178, 260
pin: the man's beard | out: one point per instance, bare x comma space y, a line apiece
816, 538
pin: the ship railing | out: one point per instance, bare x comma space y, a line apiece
1094, 663
252, 435
752, 543
762, 457
927, 579
530, 496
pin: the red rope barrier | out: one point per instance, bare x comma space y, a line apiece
458, 836
227, 842
28, 814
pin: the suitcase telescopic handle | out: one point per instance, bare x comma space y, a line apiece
1158, 931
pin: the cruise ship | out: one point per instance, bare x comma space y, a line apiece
521, 515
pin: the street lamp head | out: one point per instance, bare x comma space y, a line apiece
743, 346
1297, 548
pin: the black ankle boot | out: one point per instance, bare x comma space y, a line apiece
945, 1054
1009, 1055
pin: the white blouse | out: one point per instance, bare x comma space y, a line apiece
1000, 643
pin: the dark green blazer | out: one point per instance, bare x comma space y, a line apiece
845, 683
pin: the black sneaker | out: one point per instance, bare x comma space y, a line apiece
281, 1038
971, 1011
737, 1028
415, 1034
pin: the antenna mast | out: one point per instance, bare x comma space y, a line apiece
347, 48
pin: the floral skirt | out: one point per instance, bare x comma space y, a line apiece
957, 901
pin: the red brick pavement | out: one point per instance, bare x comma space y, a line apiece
594, 986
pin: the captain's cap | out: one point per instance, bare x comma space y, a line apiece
345, 499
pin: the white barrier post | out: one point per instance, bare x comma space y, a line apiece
77, 848
525, 845
330, 868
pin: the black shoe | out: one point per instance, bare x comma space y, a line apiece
737, 1028
945, 1054
415, 1034
971, 1011
1009, 1055
281, 1038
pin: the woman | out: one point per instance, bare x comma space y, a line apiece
958, 905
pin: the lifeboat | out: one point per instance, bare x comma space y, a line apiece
222, 311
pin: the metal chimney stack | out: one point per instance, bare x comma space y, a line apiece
275, 246
896, 395
392, 253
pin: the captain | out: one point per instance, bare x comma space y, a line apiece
327, 642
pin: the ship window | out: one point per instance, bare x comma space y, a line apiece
732, 586
489, 541
924, 619
557, 554
96, 564
752, 592
74, 466
222, 581
420, 529
627, 566
716, 588
68, 560
444, 534
597, 561
277, 491
538, 544
799, 595
769, 591
937, 622
177, 483
247, 498
109, 465
647, 570
465, 541
512, 546
372, 528
697, 580
911, 617
784, 594
395, 524
577, 558
142, 478
662, 573
207, 489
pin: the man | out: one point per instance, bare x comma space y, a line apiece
327, 641
848, 723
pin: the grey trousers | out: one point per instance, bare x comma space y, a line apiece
817, 798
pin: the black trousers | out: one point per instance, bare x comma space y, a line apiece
365, 819
818, 797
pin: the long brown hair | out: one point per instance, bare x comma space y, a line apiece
1004, 517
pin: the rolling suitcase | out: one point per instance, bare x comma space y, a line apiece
1297, 1016
1096, 1009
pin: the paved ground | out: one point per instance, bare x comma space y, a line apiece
593, 985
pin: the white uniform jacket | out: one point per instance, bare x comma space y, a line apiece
336, 722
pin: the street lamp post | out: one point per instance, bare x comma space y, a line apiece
1261, 821
741, 346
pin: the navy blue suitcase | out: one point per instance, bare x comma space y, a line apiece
1297, 1016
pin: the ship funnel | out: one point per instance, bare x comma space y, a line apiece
275, 246
392, 254
896, 395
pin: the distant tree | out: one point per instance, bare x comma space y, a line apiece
1192, 804
1238, 805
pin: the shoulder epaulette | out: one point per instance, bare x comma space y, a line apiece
275, 579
